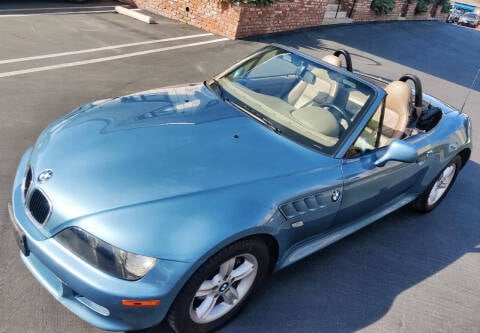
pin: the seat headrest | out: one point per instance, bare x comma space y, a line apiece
332, 60
399, 95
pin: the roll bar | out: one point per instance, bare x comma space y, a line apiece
348, 59
418, 88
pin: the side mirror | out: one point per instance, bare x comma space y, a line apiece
398, 151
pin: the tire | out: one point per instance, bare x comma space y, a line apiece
439, 188
223, 297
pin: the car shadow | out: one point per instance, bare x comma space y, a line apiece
402, 42
354, 282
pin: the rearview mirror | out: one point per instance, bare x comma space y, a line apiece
398, 151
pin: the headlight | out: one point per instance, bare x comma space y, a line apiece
106, 257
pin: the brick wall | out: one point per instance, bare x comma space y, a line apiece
283, 15
423, 16
411, 10
439, 15
240, 20
363, 13
210, 15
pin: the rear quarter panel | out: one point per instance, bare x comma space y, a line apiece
449, 138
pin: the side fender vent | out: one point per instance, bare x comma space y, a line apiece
303, 205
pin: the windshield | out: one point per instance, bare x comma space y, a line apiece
297, 97
470, 15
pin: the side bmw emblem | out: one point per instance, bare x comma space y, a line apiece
335, 195
45, 175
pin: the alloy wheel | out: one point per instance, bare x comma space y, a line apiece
227, 286
442, 184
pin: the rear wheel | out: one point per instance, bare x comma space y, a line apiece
439, 188
220, 287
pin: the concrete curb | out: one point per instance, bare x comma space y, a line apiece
134, 14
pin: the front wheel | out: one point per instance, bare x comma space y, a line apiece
439, 188
219, 288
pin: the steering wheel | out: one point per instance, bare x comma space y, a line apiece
339, 115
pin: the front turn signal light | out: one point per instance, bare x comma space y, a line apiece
140, 303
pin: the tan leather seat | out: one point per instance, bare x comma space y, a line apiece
318, 120
332, 60
397, 111
321, 90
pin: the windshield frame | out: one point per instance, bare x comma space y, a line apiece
372, 103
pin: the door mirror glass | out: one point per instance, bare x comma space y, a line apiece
398, 151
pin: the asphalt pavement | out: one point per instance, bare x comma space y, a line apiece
404, 273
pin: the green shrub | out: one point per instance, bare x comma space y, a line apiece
422, 7
382, 7
446, 6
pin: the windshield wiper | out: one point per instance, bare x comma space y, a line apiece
267, 122
264, 120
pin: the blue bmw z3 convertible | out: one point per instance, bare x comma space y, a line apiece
176, 203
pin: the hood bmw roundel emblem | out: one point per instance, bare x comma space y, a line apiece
45, 175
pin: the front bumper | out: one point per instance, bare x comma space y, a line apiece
467, 23
92, 295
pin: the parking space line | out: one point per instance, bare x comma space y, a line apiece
51, 8
98, 49
59, 13
97, 60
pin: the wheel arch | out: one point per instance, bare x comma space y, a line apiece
465, 155
270, 240
272, 244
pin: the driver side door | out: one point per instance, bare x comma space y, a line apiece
368, 188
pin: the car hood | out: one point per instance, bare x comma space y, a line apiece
153, 146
